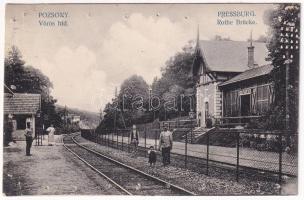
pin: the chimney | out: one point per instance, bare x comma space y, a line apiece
251, 53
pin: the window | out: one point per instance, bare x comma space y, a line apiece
227, 104
262, 99
234, 108
231, 103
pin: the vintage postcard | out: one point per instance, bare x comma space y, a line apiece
151, 99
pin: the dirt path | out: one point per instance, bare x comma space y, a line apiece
51, 170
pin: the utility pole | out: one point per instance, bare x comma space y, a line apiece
288, 61
116, 105
289, 39
65, 118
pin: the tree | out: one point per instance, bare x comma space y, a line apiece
176, 80
28, 79
130, 105
133, 100
281, 20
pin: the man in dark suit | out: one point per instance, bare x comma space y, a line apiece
28, 138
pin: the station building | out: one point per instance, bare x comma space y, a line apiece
21, 108
232, 80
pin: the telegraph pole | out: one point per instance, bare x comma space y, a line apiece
288, 61
289, 39
65, 118
116, 105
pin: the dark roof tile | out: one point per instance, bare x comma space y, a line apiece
21, 103
248, 74
231, 56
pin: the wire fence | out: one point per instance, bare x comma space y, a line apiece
241, 151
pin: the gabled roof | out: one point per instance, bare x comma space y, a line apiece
21, 103
231, 56
248, 74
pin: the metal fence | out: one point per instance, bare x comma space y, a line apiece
243, 152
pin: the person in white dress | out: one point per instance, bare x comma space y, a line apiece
51, 139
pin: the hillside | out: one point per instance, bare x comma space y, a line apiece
91, 119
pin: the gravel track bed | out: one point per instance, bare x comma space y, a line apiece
199, 165
135, 183
218, 184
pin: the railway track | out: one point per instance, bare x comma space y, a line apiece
129, 180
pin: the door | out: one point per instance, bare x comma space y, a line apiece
245, 105
206, 110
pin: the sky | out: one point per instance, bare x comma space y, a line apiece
103, 44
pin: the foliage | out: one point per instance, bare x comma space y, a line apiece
284, 14
90, 119
175, 82
130, 105
28, 79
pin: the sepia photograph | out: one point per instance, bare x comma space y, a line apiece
192, 99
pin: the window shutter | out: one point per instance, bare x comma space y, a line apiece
253, 101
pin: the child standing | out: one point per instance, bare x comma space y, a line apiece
152, 156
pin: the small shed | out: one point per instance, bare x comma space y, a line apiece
22, 108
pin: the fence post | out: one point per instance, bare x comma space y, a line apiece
186, 150
122, 142
93, 134
191, 136
102, 140
37, 135
96, 136
237, 155
145, 140
112, 137
207, 162
128, 141
116, 139
280, 158
105, 137
108, 139
155, 139
99, 137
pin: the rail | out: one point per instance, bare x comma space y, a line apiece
165, 183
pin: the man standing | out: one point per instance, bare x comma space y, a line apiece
134, 138
8, 130
28, 138
51, 131
165, 144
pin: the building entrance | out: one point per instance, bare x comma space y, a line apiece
245, 105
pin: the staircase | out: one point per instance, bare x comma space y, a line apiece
194, 136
